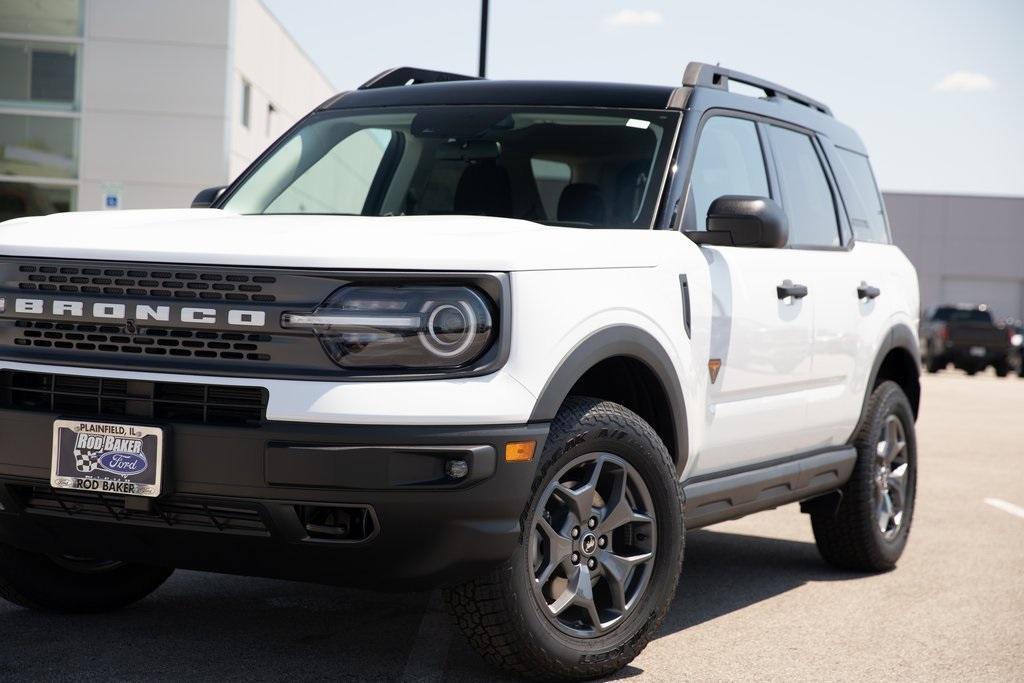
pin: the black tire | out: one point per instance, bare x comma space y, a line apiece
932, 365
1002, 368
971, 371
850, 536
499, 612
73, 586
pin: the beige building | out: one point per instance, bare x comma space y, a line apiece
140, 103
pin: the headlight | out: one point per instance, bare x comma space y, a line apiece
401, 327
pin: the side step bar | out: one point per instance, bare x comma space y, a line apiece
718, 496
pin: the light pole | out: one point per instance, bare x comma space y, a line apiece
482, 71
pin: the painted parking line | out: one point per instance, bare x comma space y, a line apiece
1015, 510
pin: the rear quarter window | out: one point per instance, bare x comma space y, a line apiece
861, 196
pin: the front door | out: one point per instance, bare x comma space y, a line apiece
761, 337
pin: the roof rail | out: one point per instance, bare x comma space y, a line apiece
698, 74
410, 75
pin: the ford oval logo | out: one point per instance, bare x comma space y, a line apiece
125, 464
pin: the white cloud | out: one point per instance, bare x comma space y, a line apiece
964, 81
633, 17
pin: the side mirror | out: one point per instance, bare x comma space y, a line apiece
207, 197
738, 221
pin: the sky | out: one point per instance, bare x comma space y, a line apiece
935, 89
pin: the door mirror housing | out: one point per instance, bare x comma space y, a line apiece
207, 197
741, 221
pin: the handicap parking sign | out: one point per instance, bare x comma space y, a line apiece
111, 196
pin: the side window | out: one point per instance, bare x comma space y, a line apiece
863, 202
728, 161
340, 180
806, 195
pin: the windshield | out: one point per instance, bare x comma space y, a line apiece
586, 168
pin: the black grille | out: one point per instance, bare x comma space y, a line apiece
152, 340
98, 397
184, 514
146, 283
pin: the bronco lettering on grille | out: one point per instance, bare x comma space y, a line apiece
113, 311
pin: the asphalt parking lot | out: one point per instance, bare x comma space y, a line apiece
755, 602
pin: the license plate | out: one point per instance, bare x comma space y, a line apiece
977, 351
118, 459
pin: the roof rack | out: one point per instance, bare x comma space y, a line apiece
410, 75
710, 76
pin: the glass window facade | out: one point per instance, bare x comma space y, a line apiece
38, 146
41, 17
38, 74
40, 61
32, 199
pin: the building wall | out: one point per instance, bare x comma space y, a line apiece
140, 99
282, 80
153, 105
967, 249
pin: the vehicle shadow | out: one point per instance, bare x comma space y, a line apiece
725, 572
205, 626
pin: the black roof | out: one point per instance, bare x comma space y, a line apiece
525, 93
704, 86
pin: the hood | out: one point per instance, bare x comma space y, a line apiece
216, 237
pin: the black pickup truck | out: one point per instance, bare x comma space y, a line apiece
967, 336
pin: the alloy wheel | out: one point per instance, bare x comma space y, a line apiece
593, 543
892, 474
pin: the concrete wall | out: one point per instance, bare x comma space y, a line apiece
280, 74
154, 76
966, 249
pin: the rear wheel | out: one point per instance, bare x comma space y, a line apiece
1002, 368
599, 558
868, 530
74, 584
933, 365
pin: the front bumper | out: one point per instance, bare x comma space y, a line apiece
237, 500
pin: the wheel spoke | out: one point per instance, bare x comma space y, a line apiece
585, 597
580, 500
894, 442
897, 481
617, 570
884, 512
559, 549
618, 511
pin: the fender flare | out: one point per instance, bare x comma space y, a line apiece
609, 342
900, 336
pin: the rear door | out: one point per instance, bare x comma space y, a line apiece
760, 343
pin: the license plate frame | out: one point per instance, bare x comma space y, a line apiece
112, 458
977, 351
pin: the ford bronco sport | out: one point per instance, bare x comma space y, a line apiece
510, 338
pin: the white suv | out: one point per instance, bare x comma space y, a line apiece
513, 338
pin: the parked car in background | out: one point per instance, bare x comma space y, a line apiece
1016, 331
967, 336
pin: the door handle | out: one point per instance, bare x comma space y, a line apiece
788, 289
866, 291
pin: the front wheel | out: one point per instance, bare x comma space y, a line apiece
74, 584
599, 556
868, 531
